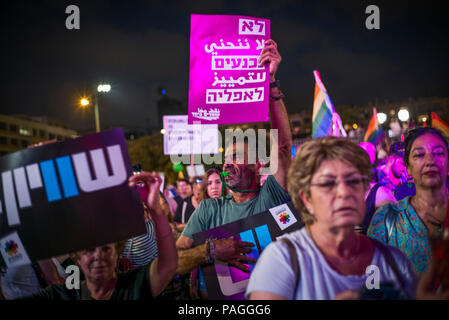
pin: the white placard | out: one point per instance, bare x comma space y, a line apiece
182, 138
283, 216
195, 171
13, 252
161, 188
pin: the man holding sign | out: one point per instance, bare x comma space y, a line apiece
242, 178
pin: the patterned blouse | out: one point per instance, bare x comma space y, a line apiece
407, 232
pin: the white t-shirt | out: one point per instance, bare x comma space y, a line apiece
318, 281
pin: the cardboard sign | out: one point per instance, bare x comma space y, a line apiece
226, 85
180, 138
225, 282
67, 196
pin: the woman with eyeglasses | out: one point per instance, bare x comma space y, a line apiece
328, 259
410, 223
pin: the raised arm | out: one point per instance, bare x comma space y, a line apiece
163, 268
278, 116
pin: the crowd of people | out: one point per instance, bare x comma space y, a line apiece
359, 214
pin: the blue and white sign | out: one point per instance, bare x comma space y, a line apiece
70, 195
225, 282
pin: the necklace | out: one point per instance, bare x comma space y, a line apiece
429, 218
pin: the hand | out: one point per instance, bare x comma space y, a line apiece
270, 55
233, 251
424, 291
148, 184
348, 295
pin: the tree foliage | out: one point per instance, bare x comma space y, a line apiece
149, 152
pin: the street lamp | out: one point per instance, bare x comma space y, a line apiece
403, 115
85, 102
381, 117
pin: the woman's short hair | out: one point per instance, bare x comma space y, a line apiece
310, 157
205, 178
119, 247
413, 134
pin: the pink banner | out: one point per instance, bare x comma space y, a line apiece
226, 85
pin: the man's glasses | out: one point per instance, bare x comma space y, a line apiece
353, 182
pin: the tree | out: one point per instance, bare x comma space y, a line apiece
149, 152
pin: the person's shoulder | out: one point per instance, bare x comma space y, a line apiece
216, 203
130, 276
271, 186
55, 292
398, 257
396, 206
298, 238
271, 182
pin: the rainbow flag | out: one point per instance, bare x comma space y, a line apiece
323, 110
374, 133
439, 124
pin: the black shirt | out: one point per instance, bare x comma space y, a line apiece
132, 285
188, 211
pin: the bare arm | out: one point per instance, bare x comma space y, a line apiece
163, 268
190, 259
280, 161
264, 295
49, 271
228, 250
425, 290
384, 196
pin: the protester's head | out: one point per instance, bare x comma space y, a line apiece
197, 187
396, 160
184, 188
165, 206
315, 182
370, 149
241, 166
426, 157
212, 185
99, 263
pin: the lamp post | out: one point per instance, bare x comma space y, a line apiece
85, 102
100, 88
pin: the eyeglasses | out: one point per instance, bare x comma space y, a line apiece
353, 182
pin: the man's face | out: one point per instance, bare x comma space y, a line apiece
241, 172
398, 167
182, 188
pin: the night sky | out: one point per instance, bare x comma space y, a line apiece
138, 46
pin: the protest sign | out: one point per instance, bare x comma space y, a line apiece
180, 138
196, 170
225, 282
67, 196
226, 84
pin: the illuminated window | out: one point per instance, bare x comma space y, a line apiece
25, 131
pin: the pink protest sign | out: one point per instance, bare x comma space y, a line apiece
226, 85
